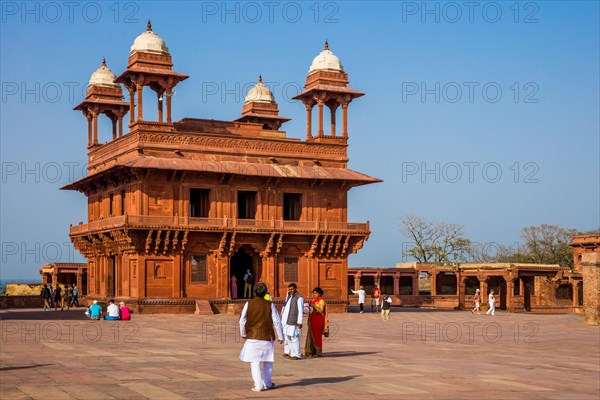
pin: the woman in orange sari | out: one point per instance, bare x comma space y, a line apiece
317, 322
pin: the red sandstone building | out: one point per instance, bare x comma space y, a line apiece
518, 287
175, 209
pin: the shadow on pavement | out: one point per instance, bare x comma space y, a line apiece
23, 367
318, 381
349, 353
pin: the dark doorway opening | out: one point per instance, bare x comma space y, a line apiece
239, 265
406, 286
386, 284
528, 288
110, 277
350, 284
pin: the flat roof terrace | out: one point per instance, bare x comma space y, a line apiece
418, 354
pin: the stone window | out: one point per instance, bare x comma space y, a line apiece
199, 271
111, 201
246, 205
564, 292
290, 270
199, 203
292, 206
123, 202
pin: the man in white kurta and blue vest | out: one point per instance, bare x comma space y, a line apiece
258, 325
291, 316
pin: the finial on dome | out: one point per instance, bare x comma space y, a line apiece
103, 61
149, 26
260, 78
326, 45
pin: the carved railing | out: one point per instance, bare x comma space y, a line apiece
215, 224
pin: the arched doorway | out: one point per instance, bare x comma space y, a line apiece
240, 263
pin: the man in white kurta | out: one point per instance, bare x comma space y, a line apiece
259, 319
291, 317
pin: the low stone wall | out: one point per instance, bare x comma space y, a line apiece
21, 301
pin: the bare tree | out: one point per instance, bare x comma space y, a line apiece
434, 242
548, 244
544, 244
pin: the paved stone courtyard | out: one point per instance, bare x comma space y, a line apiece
419, 354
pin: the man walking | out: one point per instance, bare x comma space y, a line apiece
291, 316
385, 308
477, 300
492, 302
361, 298
45, 294
258, 321
248, 278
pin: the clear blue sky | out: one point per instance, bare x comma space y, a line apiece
498, 101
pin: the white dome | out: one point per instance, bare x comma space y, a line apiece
149, 42
103, 77
326, 61
259, 94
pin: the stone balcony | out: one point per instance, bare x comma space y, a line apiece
220, 225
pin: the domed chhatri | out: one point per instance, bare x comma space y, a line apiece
259, 94
326, 61
149, 42
260, 107
103, 77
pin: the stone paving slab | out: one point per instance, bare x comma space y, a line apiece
418, 354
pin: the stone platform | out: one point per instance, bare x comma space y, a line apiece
419, 354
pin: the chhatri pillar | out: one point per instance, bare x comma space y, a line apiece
590, 263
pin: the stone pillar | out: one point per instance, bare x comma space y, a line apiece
396, 285
510, 289
139, 90
120, 119
114, 128
95, 118
321, 132
415, 285
309, 108
80, 281
345, 120
483, 288
590, 263
90, 130
169, 95
55, 277
434, 283
461, 287
160, 106
575, 286
131, 104
332, 109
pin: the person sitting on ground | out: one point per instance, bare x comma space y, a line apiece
112, 311
95, 310
124, 310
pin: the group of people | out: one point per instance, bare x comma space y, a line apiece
376, 296
491, 301
113, 312
53, 296
260, 324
